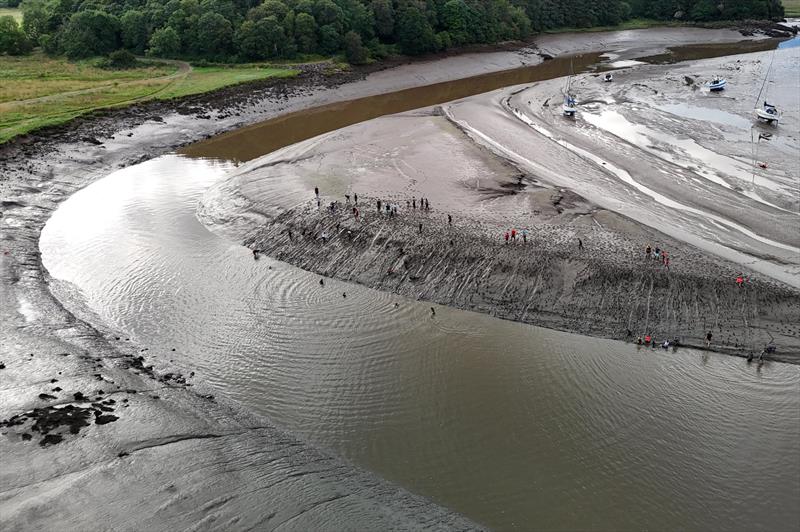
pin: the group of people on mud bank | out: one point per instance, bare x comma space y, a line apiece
386, 208
657, 254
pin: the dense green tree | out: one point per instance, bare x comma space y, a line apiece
35, 19
414, 33
456, 18
89, 33
214, 35
261, 39
222, 29
354, 50
305, 33
13, 40
134, 31
270, 8
327, 13
383, 13
165, 42
330, 40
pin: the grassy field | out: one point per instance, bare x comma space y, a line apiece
792, 8
37, 91
16, 13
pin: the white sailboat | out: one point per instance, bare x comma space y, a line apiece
767, 112
570, 107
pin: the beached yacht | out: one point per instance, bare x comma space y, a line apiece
717, 84
769, 113
570, 105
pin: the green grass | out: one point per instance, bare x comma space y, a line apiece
37, 91
207, 79
14, 12
791, 8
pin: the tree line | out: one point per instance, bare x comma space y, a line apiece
254, 30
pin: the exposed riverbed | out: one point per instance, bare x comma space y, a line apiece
104, 425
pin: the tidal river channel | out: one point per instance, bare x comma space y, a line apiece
515, 426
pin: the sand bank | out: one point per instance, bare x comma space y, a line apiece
507, 159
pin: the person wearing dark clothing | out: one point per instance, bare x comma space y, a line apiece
355, 198
708, 339
316, 191
379, 206
449, 220
580, 244
420, 228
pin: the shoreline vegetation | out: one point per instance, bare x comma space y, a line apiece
37, 91
212, 46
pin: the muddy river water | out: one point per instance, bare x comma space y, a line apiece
515, 426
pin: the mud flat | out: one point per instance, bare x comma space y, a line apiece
507, 159
97, 429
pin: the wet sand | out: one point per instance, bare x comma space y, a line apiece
483, 161
171, 446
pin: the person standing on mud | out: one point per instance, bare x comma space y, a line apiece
506, 236
513, 235
648, 250
708, 339
355, 198
524, 236
580, 244
427, 204
379, 206
449, 219
414, 203
347, 198
420, 228
316, 192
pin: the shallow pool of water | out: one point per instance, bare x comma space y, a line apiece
515, 426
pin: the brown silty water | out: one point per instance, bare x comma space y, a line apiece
259, 139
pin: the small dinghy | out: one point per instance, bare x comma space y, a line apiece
609, 77
717, 84
769, 113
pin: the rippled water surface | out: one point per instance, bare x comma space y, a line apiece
515, 426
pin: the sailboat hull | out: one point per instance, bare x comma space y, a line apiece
769, 118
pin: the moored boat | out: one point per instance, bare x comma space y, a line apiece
717, 84
769, 113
